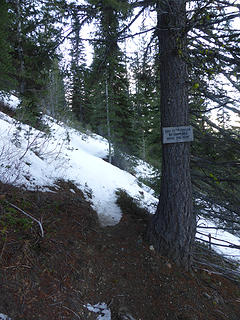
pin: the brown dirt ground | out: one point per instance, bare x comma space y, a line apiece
78, 262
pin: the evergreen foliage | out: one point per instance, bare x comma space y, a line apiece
78, 70
213, 61
54, 102
146, 106
7, 70
111, 108
34, 37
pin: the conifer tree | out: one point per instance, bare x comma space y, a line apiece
108, 70
172, 228
78, 70
34, 37
54, 102
213, 61
146, 106
7, 70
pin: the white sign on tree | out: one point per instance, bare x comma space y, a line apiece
177, 134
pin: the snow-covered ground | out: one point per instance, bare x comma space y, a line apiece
32, 159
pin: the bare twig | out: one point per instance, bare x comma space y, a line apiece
3, 248
71, 311
28, 215
30, 144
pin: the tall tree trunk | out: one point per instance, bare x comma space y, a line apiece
108, 125
20, 49
172, 228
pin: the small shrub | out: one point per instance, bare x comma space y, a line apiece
29, 113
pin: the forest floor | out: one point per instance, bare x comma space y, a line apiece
79, 262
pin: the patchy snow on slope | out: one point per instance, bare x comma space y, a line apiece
35, 160
9, 100
90, 143
144, 170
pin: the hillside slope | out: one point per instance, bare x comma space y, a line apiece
93, 249
78, 262
37, 159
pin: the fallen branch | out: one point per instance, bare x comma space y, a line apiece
28, 215
219, 228
234, 279
71, 311
3, 248
221, 270
230, 244
233, 246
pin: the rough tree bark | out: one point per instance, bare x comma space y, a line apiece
172, 228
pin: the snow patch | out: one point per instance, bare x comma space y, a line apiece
102, 309
4, 317
11, 101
